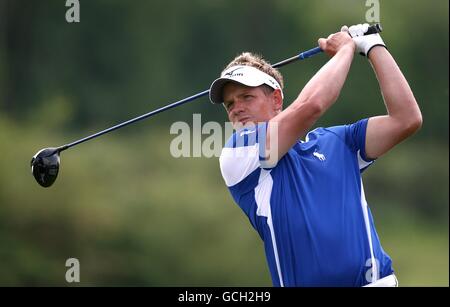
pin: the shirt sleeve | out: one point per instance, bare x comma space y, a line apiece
354, 136
242, 154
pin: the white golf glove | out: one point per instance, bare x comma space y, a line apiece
364, 43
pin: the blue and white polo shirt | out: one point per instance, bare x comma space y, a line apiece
310, 209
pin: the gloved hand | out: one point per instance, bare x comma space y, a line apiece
364, 43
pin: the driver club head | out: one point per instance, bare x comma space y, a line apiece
45, 166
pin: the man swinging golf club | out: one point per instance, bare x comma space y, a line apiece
306, 198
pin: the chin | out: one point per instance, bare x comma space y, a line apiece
243, 124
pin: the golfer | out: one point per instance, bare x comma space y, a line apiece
302, 191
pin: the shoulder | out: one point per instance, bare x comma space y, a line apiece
349, 128
354, 137
351, 134
240, 155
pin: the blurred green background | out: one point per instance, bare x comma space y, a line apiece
131, 213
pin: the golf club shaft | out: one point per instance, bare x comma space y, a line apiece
301, 56
133, 120
376, 28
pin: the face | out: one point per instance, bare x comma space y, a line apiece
247, 105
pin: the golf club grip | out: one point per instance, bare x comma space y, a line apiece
301, 56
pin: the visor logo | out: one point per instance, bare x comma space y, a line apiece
231, 74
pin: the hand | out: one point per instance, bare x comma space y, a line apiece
336, 42
364, 43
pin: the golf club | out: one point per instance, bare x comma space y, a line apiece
45, 163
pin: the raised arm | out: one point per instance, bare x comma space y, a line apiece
317, 96
403, 114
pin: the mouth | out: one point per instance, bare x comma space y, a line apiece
244, 120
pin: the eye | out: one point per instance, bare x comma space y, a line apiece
228, 105
248, 97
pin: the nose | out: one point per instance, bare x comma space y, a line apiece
238, 107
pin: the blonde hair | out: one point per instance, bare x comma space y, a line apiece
256, 61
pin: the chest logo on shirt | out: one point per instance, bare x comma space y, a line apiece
247, 132
319, 156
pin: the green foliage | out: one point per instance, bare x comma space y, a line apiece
134, 215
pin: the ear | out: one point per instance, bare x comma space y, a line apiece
277, 100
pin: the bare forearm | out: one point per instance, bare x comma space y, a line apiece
398, 97
403, 114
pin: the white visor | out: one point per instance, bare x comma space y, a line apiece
242, 74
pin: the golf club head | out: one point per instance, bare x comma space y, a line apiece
45, 166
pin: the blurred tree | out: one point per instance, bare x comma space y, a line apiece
134, 214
